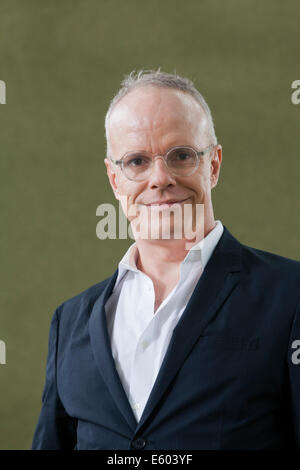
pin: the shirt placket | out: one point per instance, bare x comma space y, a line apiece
141, 371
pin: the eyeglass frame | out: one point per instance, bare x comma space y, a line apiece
199, 153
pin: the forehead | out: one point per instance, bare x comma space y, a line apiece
157, 115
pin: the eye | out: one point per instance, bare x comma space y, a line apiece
137, 161
181, 155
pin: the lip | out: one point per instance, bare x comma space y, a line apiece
168, 202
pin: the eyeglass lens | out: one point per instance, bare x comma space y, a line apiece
180, 161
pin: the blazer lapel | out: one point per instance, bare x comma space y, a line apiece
103, 356
220, 277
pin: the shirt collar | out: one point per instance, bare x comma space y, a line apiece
204, 249
202, 252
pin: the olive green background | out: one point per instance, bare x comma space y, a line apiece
62, 61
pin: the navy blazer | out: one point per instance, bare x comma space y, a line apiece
230, 378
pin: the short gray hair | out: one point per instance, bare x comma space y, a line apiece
163, 80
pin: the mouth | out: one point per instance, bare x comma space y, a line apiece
165, 204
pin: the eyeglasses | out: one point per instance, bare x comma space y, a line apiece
181, 161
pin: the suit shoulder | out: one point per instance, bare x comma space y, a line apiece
84, 300
269, 257
255, 257
271, 262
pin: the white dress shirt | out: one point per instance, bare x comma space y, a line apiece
139, 338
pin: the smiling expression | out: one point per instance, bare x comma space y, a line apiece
155, 119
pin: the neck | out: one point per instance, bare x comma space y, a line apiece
161, 258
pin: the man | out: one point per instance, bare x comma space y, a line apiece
188, 345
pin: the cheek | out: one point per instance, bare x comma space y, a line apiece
199, 188
128, 193
202, 182
198, 184
125, 187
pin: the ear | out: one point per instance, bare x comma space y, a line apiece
215, 165
111, 173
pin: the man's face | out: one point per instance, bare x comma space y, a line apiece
154, 120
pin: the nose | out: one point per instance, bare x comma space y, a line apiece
161, 176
